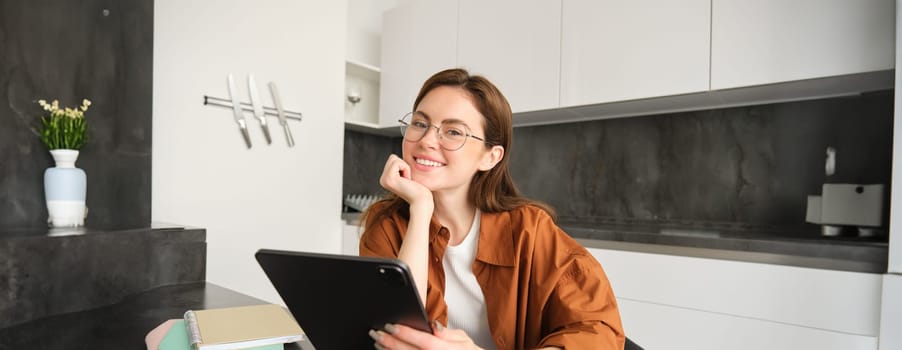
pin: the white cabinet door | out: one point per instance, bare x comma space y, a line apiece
766, 41
891, 313
662, 326
833, 301
615, 50
515, 44
419, 38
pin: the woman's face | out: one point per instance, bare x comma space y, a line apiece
439, 169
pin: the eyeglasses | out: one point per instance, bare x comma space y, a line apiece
452, 135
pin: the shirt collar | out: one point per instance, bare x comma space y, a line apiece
496, 239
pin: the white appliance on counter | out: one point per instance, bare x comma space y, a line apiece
891, 299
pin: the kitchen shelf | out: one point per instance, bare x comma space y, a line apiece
363, 116
362, 70
372, 128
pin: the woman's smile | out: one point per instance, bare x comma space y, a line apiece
428, 162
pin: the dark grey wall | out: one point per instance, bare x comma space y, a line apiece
69, 50
752, 165
364, 159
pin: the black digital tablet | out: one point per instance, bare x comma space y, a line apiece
337, 299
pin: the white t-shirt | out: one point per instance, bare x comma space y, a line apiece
466, 304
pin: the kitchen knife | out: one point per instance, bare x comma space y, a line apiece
239, 115
257, 103
281, 112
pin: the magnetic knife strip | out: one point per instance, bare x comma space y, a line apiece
256, 107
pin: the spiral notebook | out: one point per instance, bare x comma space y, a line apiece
241, 327
177, 339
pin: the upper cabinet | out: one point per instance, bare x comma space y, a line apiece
571, 60
768, 41
419, 38
614, 50
516, 45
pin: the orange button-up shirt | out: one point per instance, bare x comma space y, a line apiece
541, 287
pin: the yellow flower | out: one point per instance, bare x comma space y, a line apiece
63, 127
44, 105
69, 112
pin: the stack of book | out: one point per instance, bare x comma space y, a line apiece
263, 327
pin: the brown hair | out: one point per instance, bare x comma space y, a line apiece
492, 190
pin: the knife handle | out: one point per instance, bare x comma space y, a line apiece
243, 129
288, 135
247, 137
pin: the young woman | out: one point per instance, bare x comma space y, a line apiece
489, 264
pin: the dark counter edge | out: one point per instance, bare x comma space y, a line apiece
738, 255
55, 232
124, 325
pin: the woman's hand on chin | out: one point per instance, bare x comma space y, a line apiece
396, 177
400, 337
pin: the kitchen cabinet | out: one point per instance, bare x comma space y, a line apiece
622, 50
768, 41
419, 38
891, 313
516, 45
656, 326
620, 58
678, 302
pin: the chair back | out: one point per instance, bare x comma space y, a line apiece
630, 345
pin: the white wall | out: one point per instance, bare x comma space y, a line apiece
270, 196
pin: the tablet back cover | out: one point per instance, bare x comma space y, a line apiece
337, 299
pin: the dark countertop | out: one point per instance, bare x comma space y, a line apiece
123, 325
752, 244
57, 271
803, 247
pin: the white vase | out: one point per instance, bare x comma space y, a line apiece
65, 188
